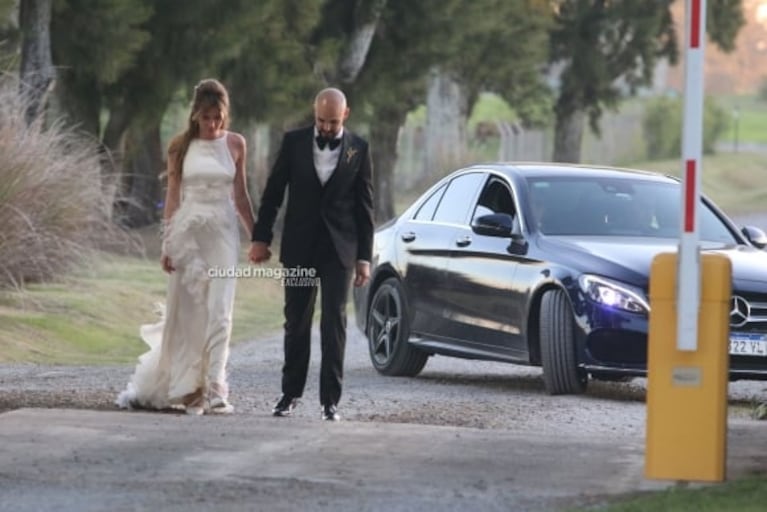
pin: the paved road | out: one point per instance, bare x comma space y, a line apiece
94, 460
464, 435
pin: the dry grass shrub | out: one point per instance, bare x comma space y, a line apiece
53, 208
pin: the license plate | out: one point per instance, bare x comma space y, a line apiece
748, 344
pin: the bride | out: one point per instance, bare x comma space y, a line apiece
185, 366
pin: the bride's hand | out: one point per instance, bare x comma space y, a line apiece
167, 265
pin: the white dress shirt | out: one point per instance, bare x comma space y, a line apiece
326, 160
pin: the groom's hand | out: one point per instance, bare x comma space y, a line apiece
362, 273
259, 252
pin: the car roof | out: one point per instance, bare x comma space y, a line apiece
550, 170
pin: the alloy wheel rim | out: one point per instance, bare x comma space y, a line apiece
385, 318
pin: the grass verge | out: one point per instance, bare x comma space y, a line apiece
748, 119
92, 315
746, 495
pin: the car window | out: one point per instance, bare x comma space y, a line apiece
616, 207
427, 209
495, 198
458, 198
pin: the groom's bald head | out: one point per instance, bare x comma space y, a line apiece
330, 111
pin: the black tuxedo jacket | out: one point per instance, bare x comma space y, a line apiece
344, 204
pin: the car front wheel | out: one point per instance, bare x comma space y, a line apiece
388, 331
561, 374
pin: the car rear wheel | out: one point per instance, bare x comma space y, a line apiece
388, 332
561, 374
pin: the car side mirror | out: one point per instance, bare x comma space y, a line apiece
756, 236
496, 224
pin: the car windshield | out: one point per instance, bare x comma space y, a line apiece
597, 206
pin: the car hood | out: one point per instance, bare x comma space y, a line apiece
630, 259
749, 268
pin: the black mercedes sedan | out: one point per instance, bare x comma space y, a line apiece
546, 265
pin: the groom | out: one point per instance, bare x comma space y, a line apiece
329, 227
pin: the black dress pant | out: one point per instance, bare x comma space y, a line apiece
300, 298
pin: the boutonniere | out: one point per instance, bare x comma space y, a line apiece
350, 154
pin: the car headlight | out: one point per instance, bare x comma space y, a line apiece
613, 294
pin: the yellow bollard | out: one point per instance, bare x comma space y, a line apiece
687, 390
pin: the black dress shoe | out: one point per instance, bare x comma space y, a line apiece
329, 413
285, 406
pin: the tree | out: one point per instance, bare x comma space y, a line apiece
94, 44
304, 45
604, 50
475, 52
503, 53
272, 79
185, 45
409, 39
272, 76
36, 72
9, 34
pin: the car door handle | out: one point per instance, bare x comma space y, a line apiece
463, 241
408, 237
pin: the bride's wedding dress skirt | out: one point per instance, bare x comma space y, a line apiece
188, 347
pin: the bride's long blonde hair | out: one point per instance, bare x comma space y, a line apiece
207, 94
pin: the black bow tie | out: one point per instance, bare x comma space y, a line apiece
331, 143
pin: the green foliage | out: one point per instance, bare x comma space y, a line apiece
609, 49
272, 77
9, 35
662, 125
724, 19
93, 43
7, 7
491, 107
97, 38
406, 44
502, 53
598, 43
500, 46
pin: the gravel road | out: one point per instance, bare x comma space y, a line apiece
449, 391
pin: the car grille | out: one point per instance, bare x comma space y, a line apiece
748, 314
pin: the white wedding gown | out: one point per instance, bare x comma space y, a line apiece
189, 347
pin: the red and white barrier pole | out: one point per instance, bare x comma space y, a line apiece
689, 275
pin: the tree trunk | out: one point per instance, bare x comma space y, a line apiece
119, 119
81, 102
568, 135
353, 55
37, 71
447, 113
140, 202
383, 146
